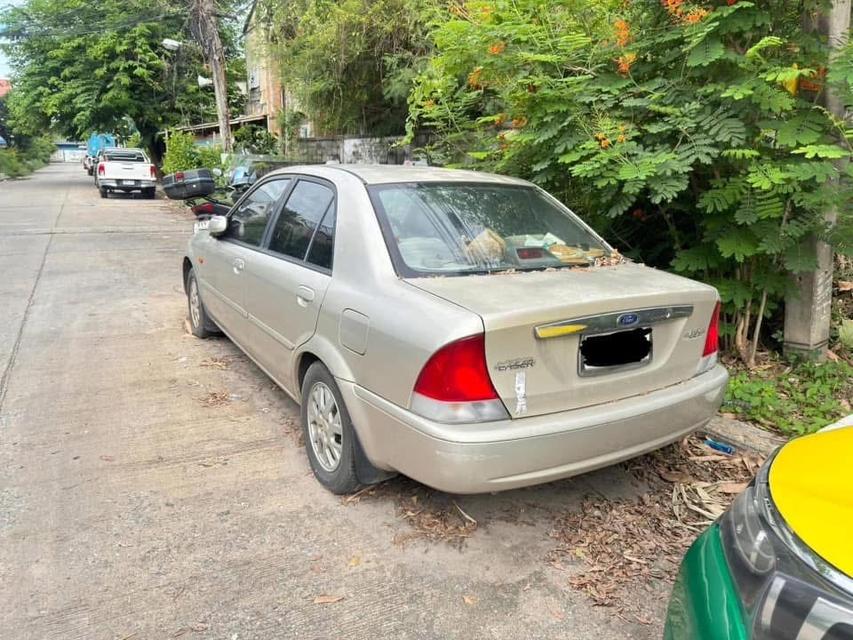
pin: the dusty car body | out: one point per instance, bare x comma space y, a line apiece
466, 345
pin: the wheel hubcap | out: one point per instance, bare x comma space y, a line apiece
324, 426
195, 304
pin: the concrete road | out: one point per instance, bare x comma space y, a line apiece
153, 485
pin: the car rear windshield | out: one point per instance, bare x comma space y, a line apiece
462, 228
125, 156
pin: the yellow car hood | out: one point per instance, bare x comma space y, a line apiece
811, 481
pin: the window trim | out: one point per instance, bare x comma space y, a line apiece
274, 215
405, 271
297, 178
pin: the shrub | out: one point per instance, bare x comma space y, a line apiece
797, 399
689, 131
11, 165
182, 154
252, 139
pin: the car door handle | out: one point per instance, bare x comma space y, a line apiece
238, 265
304, 295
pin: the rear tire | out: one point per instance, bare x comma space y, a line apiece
149, 194
103, 191
328, 432
200, 322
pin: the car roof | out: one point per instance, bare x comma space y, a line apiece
392, 173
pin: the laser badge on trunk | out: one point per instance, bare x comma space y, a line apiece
515, 364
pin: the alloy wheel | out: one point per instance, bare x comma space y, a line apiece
324, 426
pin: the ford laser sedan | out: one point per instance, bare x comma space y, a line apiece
464, 329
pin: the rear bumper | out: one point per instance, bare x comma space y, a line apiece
138, 184
496, 456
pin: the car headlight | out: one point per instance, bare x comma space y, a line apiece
786, 589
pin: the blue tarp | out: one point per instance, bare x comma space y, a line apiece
2, 141
98, 141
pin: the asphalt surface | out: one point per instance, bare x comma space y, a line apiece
153, 485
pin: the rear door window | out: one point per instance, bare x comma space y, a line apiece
248, 220
305, 228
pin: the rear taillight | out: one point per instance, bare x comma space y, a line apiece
712, 337
153, 171
205, 208
454, 385
179, 176
101, 169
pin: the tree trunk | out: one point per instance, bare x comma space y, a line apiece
205, 29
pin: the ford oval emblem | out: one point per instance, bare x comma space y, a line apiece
627, 319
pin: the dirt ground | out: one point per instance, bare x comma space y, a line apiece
153, 485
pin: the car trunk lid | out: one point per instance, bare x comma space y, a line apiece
570, 338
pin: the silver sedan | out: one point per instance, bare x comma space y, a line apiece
464, 329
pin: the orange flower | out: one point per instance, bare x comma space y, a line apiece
625, 62
497, 48
429, 104
518, 123
621, 138
695, 16
623, 32
673, 6
603, 140
474, 78
501, 118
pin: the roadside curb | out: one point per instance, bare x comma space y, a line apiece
743, 435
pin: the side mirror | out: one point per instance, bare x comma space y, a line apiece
217, 225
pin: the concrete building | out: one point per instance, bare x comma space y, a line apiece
265, 94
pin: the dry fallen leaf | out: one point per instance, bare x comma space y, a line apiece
327, 599
355, 560
622, 543
843, 285
732, 487
470, 600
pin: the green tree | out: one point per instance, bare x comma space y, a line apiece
349, 64
82, 67
690, 131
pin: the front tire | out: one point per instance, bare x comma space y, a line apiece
199, 320
328, 432
103, 191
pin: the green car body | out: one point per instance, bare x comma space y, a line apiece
705, 604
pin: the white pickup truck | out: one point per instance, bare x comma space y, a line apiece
125, 170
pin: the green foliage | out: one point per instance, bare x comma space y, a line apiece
182, 154
135, 140
802, 399
349, 64
253, 139
681, 133
11, 165
30, 154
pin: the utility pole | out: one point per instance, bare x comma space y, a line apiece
808, 304
205, 30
